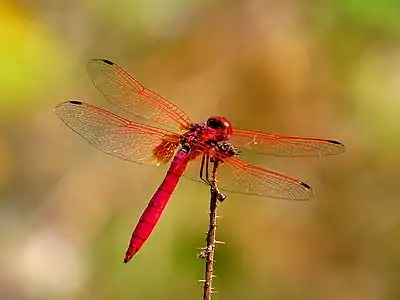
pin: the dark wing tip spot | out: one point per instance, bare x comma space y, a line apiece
335, 142
108, 62
305, 185
310, 191
75, 102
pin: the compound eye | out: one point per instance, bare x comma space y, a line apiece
215, 123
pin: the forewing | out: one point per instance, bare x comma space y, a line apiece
115, 135
127, 93
277, 145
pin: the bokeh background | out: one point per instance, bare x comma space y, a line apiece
328, 69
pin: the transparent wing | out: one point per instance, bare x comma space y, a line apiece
236, 176
117, 136
127, 93
277, 145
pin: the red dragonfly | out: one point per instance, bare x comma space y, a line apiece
192, 147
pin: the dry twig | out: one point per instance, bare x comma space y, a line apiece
209, 250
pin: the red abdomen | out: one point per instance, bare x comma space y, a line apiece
154, 209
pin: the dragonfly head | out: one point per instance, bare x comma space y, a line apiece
222, 127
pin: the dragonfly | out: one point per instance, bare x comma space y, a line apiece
163, 134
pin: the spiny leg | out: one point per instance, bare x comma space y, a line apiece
207, 168
202, 169
205, 176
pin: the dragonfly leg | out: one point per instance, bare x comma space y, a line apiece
207, 167
202, 166
204, 170
205, 176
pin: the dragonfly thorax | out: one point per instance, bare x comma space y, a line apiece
210, 138
215, 130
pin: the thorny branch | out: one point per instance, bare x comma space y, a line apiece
209, 250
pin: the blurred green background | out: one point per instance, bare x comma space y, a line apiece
328, 69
